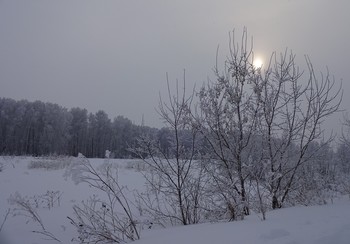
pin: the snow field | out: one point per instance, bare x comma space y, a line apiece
326, 224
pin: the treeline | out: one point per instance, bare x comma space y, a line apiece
38, 128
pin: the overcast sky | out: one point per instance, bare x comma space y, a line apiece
113, 55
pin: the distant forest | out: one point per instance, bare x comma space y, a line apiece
38, 128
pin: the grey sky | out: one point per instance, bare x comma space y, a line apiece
113, 55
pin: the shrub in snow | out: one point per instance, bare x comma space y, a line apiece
97, 220
24, 206
48, 200
50, 163
6, 161
5, 218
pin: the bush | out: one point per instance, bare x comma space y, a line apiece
102, 221
26, 207
50, 163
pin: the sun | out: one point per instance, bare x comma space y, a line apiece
257, 63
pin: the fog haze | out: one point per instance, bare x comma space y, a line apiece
113, 55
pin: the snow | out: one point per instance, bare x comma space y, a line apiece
318, 224
326, 224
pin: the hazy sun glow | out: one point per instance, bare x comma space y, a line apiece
257, 63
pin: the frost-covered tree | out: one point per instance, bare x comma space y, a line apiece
78, 131
227, 119
123, 136
294, 105
55, 130
99, 134
343, 158
174, 177
32, 128
274, 113
37, 128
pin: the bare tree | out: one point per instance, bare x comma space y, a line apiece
227, 119
293, 109
175, 177
278, 112
344, 157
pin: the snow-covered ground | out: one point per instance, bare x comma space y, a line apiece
326, 224
308, 225
16, 177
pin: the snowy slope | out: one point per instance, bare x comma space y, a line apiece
326, 224
319, 225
